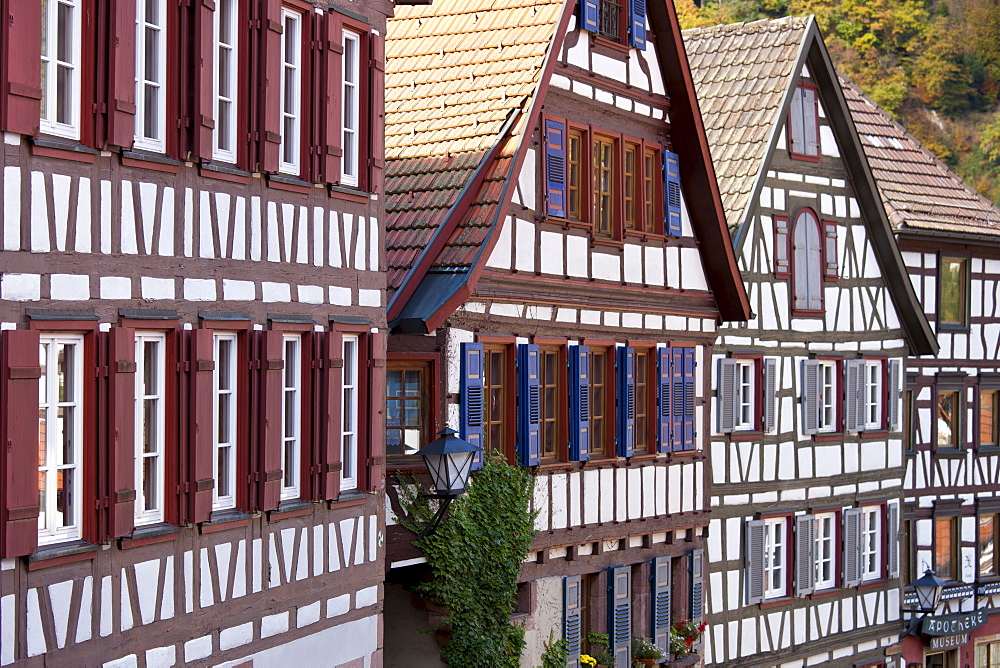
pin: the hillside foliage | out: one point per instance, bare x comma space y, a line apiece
933, 64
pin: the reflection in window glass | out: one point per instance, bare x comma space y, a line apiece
987, 545
495, 386
988, 417
952, 309
948, 419
550, 395
944, 547
404, 412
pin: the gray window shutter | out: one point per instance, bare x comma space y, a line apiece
796, 143
770, 390
810, 129
854, 395
697, 570
660, 584
852, 547
892, 539
800, 262
805, 555
620, 614
810, 397
895, 389
755, 561
572, 621
727, 395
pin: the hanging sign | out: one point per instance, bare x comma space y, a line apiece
953, 624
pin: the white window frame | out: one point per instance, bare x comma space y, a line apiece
826, 537
873, 394
48, 402
291, 435
154, 514
291, 110
225, 501
871, 543
351, 120
218, 152
349, 450
746, 395
157, 143
48, 123
775, 558
829, 396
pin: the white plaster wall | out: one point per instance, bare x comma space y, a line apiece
546, 618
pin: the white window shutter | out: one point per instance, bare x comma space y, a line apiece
805, 554
810, 128
796, 138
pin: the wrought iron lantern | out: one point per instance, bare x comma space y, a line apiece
929, 588
449, 461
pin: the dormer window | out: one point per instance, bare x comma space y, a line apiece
803, 124
620, 21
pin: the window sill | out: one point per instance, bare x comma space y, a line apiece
290, 508
67, 149
154, 161
149, 534
224, 173
776, 602
866, 435
953, 328
950, 453
988, 449
634, 235
748, 435
620, 47
222, 520
351, 498
825, 593
61, 553
289, 183
811, 313
828, 436
350, 194
872, 584
610, 242
803, 157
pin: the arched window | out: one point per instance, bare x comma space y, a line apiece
807, 263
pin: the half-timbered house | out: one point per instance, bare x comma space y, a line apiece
555, 296
950, 239
807, 448
192, 308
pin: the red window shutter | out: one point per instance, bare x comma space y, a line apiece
121, 75
121, 422
332, 148
376, 111
272, 379
271, 99
201, 451
327, 400
376, 409
19, 374
204, 113
22, 76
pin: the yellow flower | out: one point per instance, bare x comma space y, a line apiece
588, 660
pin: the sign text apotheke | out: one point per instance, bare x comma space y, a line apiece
953, 624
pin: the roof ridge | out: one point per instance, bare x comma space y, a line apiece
759, 25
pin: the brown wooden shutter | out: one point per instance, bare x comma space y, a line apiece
270, 423
121, 75
376, 409
376, 112
121, 430
270, 132
332, 149
19, 374
22, 74
204, 62
201, 453
327, 400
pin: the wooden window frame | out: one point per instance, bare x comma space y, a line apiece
756, 425
991, 388
966, 291
946, 383
157, 515
239, 48
818, 268
837, 429
293, 491
549, 346
953, 518
508, 390
607, 449
632, 198
788, 541
621, 40
427, 364
580, 133
142, 142
984, 509
788, 125
652, 410
613, 141
227, 502
353, 483
879, 426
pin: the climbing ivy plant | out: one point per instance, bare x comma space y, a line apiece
475, 556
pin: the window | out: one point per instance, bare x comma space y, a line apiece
828, 396
291, 92
946, 547
61, 36
406, 415
352, 107
150, 74
909, 437
871, 543
225, 394
604, 166
988, 413
610, 21
291, 417
807, 264
826, 541
629, 186
574, 173
949, 419
988, 655
600, 391
226, 73
495, 384
775, 576
551, 394
649, 172
745, 393
988, 558
150, 393
60, 438
803, 121
953, 307
739, 394
349, 417
643, 402
873, 395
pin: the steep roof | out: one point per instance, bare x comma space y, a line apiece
745, 74
918, 190
742, 72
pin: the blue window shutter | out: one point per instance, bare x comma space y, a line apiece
572, 619
637, 25
697, 570
663, 399
620, 614
682, 391
672, 192
555, 168
528, 405
626, 401
660, 605
687, 440
579, 403
471, 409
590, 15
